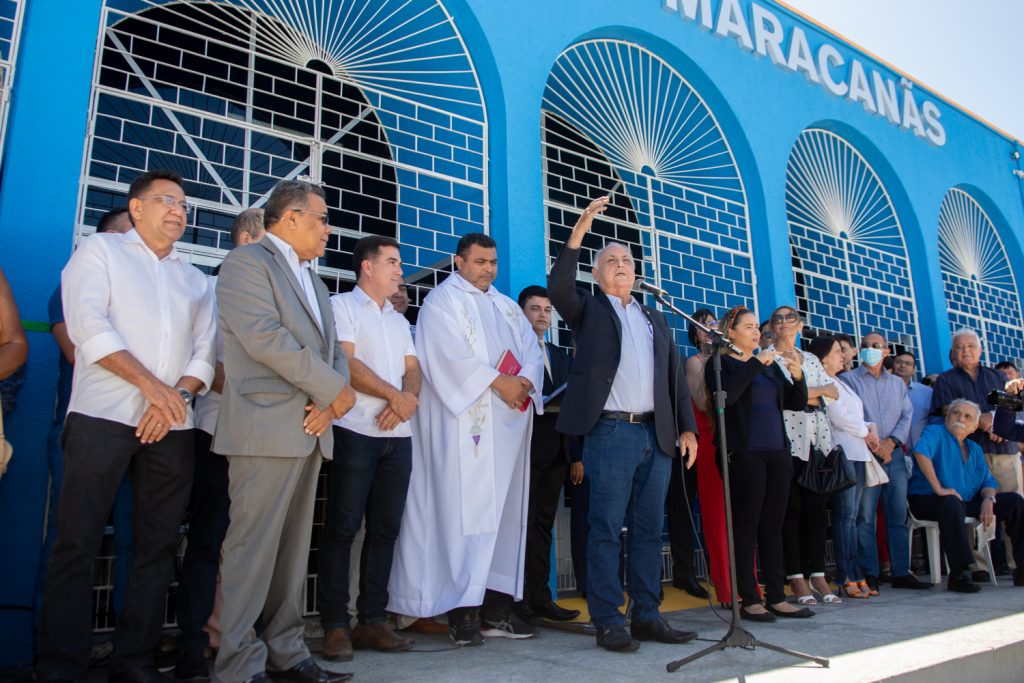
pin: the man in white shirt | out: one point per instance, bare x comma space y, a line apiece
208, 508
372, 453
142, 323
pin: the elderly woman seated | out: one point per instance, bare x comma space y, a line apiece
952, 481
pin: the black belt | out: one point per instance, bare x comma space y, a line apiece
633, 418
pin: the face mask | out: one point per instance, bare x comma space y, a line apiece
871, 357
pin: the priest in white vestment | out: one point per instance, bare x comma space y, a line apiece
461, 548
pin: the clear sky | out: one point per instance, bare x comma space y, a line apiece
971, 52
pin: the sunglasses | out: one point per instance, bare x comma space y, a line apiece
780, 318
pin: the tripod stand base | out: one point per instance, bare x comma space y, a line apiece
737, 636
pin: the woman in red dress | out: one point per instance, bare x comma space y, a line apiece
709, 481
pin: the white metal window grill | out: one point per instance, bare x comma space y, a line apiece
12, 14
377, 100
979, 284
615, 112
849, 259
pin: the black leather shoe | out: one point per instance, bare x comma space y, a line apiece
309, 671
1018, 576
961, 583
802, 613
980, 576
616, 639
659, 631
553, 611
909, 581
191, 666
691, 586
762, 617
140, 674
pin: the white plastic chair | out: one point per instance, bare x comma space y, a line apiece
931, 537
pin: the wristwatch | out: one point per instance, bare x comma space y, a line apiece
186, 394
992, 498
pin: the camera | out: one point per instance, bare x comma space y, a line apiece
1001, 399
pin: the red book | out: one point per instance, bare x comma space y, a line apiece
508, 364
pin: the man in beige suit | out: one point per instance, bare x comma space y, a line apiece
286, 379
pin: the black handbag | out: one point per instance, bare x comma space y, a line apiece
827, 473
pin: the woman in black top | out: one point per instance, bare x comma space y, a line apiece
759, 462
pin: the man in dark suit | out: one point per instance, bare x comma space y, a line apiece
286, 378
627, 395
549, 463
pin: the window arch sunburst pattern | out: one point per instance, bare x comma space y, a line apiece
979, 284
377, 100
850, 261
614, 112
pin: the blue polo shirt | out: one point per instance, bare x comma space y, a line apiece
941, 447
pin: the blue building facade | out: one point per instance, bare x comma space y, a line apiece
754, 158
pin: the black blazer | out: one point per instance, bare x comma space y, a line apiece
736, 378
547, 444
598, 335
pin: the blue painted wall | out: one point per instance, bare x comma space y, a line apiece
762, 109
38, 197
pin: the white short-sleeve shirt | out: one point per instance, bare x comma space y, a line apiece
382, 342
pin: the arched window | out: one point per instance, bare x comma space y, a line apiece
849, 258
980, 288
618, 117
377, 100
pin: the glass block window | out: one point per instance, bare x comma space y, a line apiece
617, 117
979, 284
376, 100
850, 262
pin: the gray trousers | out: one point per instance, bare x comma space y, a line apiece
266, 555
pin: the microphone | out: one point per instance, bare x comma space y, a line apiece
648, 287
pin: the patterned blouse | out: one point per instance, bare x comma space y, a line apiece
806, 428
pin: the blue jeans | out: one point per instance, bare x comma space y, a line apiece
845, 509
894, 503
368, 476
628, 477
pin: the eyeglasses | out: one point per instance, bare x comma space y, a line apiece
322, 217
873, 345
172, 202
903, 362
713, 324
780, 318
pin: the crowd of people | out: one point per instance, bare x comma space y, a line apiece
217, 399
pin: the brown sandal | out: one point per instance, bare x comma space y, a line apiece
852, 590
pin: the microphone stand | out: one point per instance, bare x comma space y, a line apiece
737, 636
